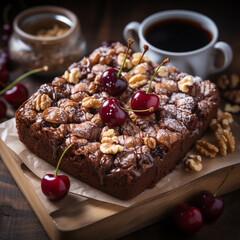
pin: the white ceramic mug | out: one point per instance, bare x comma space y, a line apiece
198, 62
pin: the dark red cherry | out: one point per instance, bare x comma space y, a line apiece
113, 84
16, 95
3, 109
142, 100
188, 219
111, 113
55, 188
210, 206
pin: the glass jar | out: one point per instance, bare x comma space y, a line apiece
47, 35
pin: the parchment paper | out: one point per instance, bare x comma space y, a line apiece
177, 178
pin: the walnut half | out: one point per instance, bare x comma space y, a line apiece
193, 163
206, 148
41, 102
185, 83
109, 143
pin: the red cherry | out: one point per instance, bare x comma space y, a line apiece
16, 95
55, 188
111, 113
210, 206
145, 100
142, 100
3, 109
111, 83
188, 219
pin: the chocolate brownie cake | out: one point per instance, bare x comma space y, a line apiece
124, 160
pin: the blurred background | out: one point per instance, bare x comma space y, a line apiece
105, 19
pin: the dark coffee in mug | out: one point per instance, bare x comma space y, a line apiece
177, 35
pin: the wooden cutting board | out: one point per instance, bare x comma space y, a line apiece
76, 217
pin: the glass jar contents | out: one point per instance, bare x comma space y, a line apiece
47, 35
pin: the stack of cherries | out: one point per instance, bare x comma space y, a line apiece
208, 208
142, 103
18, 94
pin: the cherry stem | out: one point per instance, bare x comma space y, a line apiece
45, 68
224, 180
163, 62
61, 159
151, 109
130, 42
145, 47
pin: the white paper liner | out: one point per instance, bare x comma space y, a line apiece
177, 178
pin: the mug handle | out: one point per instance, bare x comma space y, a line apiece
228, 55
127, 33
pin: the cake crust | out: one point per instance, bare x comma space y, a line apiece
66, 112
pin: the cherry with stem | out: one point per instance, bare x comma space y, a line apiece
16, 93
210, 205
54, 186
113, 114
145, 100
112, 81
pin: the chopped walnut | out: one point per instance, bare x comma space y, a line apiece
193, 162
109, 142
55, 31
106, 59
226, 141
109, 148
133, 116
90, 102
224, 116
233, 96
234, 80
224, 81
224, 119
93, 87
137, 81
232, 108
137, 56
140, 69
120, 59
163, 71
94, 57
42, 101
109, 137
150, 142
206, 148
185, 83
97, 119
73, 75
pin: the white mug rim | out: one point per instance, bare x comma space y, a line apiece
184, 14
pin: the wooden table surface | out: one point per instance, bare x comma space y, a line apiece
105, 20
